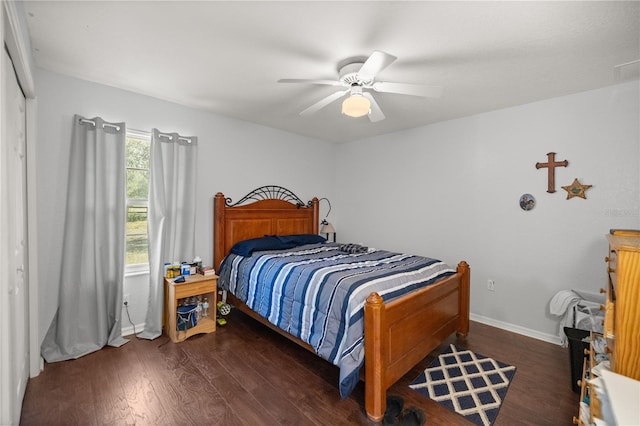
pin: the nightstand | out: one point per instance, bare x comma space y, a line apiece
194, 285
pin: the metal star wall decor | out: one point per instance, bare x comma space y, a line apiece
576, 189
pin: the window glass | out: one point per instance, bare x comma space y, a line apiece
137, 239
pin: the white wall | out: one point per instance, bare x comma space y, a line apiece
234, 158
451, 191
448, 190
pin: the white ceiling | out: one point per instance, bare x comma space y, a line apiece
226, 57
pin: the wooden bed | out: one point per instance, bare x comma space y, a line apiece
398, 334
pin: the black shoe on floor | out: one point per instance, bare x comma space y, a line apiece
394, 409
413, 416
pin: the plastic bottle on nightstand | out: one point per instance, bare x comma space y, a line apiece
205, 308
199, 308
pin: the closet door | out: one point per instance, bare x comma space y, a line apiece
14, 315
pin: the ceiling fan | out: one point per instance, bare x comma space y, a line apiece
359, 78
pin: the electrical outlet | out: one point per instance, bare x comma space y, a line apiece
491, 285
125, 299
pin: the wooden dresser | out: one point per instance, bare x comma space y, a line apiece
620, 342
622, 318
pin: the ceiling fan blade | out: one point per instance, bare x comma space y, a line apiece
324, 102
376, 113
408, 89
374, 64
309, 81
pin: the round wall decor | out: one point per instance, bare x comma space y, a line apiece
527, 202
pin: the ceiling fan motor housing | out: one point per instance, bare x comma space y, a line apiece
349, 75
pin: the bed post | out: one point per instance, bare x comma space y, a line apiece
316, 215
218, 230
375, 347
464, 291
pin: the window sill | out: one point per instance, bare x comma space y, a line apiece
134, 270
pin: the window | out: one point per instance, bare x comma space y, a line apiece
138, 151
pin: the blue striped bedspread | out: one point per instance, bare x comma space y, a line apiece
317, 293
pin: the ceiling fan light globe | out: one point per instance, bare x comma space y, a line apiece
356, 106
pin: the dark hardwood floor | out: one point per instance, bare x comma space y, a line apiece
245, 374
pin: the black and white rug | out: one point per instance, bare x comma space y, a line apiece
468, 383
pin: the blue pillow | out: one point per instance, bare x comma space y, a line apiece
275, 242
302, 239
269, 242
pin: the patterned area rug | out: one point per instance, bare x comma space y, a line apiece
470, 384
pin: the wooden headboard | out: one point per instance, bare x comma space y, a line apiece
268, 210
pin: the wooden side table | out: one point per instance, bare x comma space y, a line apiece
194, 285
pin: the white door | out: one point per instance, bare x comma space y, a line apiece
14, 200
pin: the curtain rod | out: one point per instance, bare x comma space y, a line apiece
180, 138
114, 126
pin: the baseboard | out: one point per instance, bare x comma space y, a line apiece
550, 338
128, 331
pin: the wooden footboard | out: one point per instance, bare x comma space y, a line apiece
400, 333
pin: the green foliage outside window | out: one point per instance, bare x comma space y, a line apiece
138, 152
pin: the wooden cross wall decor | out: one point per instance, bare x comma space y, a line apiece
551, 165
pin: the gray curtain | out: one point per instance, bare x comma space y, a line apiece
172, 213
90, 295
